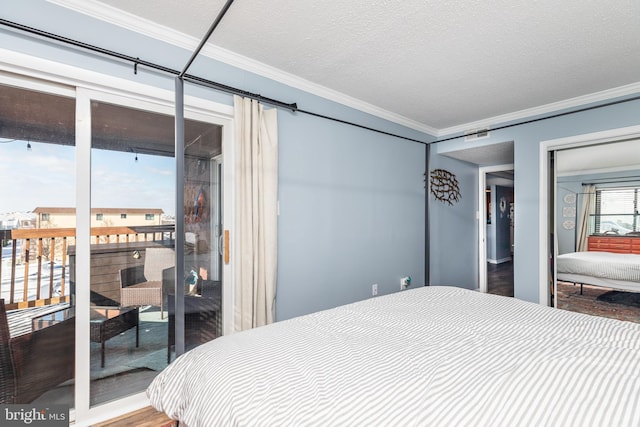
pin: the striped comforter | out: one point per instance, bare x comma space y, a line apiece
605, 265
432, 356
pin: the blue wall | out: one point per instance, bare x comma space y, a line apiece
498, 233
502, 223
491, 230
351, 200
454, 229
351, 215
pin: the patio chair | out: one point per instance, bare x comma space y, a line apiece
142, 285
35, 362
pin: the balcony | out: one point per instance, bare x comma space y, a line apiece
37, 267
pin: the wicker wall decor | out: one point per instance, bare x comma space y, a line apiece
444, 186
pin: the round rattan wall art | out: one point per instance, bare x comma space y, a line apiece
444, 186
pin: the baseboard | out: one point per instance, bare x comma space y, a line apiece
498, 261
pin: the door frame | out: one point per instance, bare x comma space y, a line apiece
582, 140
482, 221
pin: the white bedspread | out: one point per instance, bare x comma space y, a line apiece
432, 356
604, 265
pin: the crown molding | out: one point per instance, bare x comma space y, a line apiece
165, 34
579, 101
126, 20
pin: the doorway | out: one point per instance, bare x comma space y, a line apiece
496, 229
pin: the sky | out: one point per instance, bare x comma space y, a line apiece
45, 176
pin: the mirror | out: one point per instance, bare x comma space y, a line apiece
597, 229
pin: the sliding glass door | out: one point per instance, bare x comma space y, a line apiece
87, 228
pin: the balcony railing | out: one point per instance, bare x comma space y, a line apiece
35, 269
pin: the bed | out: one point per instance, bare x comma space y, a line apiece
431, 356
607, 269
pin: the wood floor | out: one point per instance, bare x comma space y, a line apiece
145, 417
500, 278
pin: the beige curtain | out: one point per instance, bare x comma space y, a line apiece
587, 208
255, 242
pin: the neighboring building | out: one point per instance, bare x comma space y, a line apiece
56, 217
13, 220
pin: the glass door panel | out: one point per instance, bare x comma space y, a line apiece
132, 247
203, 232
37, 235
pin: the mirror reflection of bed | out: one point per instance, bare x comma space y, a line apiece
597, 227
597, 294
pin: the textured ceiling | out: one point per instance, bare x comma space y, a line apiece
439, 63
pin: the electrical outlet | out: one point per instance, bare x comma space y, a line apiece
374, 289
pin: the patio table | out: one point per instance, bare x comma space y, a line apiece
106, 322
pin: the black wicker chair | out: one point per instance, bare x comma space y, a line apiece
36, 362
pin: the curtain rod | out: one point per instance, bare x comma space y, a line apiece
620, 179
289, 106
299, 110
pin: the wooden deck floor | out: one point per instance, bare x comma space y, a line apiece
145, 417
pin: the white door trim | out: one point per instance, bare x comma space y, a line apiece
481, 215
631, 132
